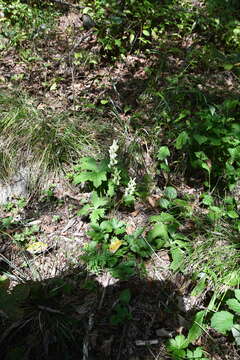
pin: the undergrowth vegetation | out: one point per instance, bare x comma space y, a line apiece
149, 124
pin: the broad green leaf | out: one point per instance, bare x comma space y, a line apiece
205, 166
222, 321
237, 294
170, 192
159, 230
164, 203
200, 139
163, 217
234, 305
228, 67
163, 153
201, 155
232, 214
197, 328
138, 245
177, 259
181, 140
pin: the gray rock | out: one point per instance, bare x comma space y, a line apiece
15, 187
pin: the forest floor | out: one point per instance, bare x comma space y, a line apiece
64, 73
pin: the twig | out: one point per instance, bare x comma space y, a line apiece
103, 293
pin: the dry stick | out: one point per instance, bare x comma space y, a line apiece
103, 293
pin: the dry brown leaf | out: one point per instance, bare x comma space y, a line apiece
135, 213
130, 229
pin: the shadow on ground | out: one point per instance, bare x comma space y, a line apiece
75, 317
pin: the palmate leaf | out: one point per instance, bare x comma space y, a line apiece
98, 201
91, 170
88, 163
179, 343
97, 214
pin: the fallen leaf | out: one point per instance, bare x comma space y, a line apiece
37, 247
115, 245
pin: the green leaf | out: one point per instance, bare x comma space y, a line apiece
207, 200
195, 354
234, 305
88, 163
104, 102
106, 226
205, 166
125, 296
237, 294
179, 343
163, 217
163, 153
97, 214
198, 289
200, 139
228, 67
232, 279
159, 230
232, 214
98, 178
98, 201
84, 210
222, 321
146, 32
197, 328
170, 192
181, 140
164, 203
138, 245
177, 259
